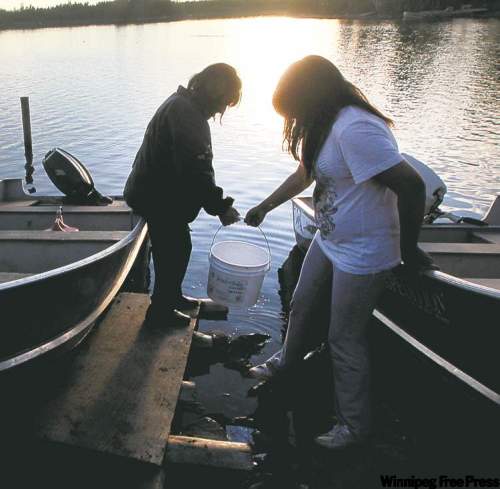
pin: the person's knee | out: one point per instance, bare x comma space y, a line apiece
302, 297
299, 305
352, 354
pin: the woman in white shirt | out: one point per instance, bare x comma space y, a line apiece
369, 205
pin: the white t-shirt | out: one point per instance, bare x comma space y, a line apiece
357, 217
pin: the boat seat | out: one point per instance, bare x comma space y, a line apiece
48, 205
39, 251
8, 276
493, 283
487, 237
466, 259
62, 236
461, 248
22, 216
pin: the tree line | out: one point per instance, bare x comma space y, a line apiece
138, 11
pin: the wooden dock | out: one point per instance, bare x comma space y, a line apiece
110, 425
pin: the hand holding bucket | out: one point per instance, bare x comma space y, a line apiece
236, 272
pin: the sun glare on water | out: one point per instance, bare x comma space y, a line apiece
262, 49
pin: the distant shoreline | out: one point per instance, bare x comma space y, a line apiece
30, 24
22, 25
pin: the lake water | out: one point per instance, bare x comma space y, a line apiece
93, 89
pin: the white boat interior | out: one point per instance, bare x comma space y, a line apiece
28, 246
472, 254
466, 251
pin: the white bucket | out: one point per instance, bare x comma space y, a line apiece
236, 272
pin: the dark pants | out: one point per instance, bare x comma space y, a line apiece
171, 249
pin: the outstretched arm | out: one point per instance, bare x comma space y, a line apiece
297, 182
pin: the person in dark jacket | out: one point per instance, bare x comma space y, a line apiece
172, 178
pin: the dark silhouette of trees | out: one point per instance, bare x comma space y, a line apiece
138, 11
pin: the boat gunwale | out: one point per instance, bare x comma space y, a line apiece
443, 277
463, 284
132, 235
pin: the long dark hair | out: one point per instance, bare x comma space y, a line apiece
310, 95
217, 84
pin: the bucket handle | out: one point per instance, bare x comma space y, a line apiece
263, 234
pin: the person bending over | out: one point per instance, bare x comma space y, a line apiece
172, 178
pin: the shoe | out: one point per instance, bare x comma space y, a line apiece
339, 437
177, 318
202, 340
187, 304
173, 319
261, 372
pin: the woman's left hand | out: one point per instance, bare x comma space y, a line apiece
419, 261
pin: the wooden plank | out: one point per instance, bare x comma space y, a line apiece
461, 248
123, 387
58, 466
209, 453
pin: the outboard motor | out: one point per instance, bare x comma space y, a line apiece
435, 188
70, 176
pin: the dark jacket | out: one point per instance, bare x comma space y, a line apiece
173, 172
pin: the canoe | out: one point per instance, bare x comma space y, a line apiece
55, 285
448, 318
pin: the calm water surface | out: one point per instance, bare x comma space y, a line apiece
93, 89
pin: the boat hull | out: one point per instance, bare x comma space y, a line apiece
446, 415
458, 323
442, 14
53, 311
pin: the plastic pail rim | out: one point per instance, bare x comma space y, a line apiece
235, 250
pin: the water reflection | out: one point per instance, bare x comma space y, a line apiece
93, 90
